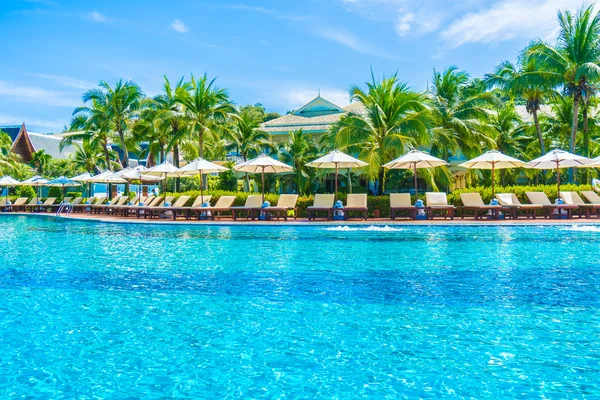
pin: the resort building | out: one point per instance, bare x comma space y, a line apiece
25, 143
315, 117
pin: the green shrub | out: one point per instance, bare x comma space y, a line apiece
74, 194
25, 191
519, 191
55, 191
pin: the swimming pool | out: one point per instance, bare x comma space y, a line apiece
117, 310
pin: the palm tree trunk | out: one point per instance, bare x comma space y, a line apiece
381, 179
349, 182
574, 131
586, 141
125, 161
106, 155
176, 163
538, 130
201, 144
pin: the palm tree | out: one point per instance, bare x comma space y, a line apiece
118, 107
510, 138
89, 157
460, 115
40, 159
246, 137
574, 59
297, 152
395, 118
525, 80
205, 106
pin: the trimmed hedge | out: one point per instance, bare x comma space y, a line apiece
486, 192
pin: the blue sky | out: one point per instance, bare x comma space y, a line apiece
278, 53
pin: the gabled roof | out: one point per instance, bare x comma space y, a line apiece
317, 107
315, 117
11, 130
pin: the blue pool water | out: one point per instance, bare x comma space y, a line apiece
93, 310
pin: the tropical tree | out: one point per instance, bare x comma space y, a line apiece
205, 106
574, 59
89, 157
40, 159
246, 138
114, 109
525, 81
395, 118
298, 151
460, 115
511, 137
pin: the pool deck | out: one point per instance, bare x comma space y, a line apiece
303, 221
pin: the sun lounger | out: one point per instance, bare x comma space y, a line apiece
184, 211
322, 203
400, 202
512, 203
250, 209
474, 202
550, 208
157, 208
584, 208
45, 206
113, 209
438, 202
178, 204
285, 203
356, 203
223, 205
85, 206
97, 208
20, 202
591, 196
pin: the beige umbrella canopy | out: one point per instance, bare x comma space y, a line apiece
493, 160
164, 170
36, 181
336, 160
557, 159
106, 177
130, 174
265, 165
201, 166
7, 181
414, 160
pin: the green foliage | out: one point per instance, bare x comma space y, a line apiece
519, 191
55, 191
25, 191
74, 194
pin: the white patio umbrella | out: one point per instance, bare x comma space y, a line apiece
164, 170
7, 181
265, 165
136, 173
199, 167
557, 159
493, 160
36, 181
83, 178
63, 181
336, 160
414, 160
106, 177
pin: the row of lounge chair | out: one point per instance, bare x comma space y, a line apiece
436, 204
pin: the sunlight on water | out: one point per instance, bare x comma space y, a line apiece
116, 311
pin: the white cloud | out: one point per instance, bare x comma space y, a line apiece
178, 26
403, 25
66, 81
37, 95
96, 16
36, 123
348, 39
506, 20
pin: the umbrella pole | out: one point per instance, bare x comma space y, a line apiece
263, 184
336, 180
493, 178
201, 190
415, 173
558, 180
